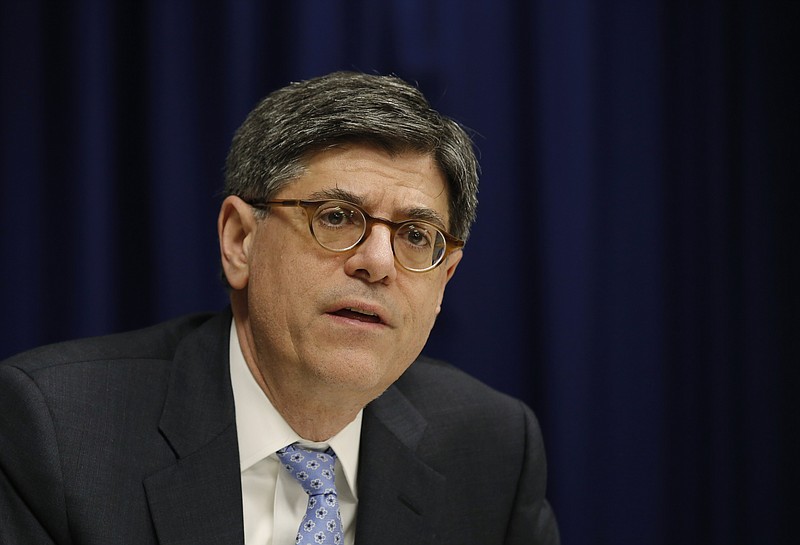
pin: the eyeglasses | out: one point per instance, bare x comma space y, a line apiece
340, 226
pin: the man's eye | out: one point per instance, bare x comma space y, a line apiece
335, 217
418, 237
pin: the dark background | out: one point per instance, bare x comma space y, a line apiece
633, 271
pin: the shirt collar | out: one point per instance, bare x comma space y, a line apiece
255, 414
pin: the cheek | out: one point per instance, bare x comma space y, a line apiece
278, 279
279, 304
423, 309
270, 279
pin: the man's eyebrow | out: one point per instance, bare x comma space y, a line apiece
426, 214
337, 194
422, 214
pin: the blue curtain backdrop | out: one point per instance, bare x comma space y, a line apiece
633, 271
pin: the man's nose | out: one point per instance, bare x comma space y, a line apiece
373, 259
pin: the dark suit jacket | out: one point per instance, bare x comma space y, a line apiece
131, 439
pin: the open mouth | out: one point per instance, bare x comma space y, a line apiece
357, 314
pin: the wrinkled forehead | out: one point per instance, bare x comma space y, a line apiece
379, 180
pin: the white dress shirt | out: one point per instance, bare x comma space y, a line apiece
273, 502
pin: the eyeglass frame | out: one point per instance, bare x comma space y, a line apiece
452, 243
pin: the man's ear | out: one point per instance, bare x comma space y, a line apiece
236, 227
450, 269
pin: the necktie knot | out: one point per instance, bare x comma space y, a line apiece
315, 471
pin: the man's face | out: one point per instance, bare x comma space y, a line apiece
312, 311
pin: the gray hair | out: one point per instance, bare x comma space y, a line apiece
269, 150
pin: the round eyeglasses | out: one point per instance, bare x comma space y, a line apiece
340, 226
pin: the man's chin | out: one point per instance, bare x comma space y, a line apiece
358, 373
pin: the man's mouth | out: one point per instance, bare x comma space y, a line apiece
358, 314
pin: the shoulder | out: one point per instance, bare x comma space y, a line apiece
459, 426
88, 391
444, 394
439, 381
157, 342
108, 371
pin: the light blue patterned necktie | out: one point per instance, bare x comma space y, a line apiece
314, 470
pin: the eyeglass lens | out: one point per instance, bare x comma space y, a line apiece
339, 227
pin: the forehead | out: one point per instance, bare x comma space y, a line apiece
390, 184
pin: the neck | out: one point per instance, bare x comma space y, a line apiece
317, 423
316, 412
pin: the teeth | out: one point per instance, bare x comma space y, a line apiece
360, 311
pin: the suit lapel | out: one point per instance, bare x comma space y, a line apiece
199, 499
399, 495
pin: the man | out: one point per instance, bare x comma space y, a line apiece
303, 413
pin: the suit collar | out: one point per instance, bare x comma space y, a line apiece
198, 500
199, 401
399, 494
